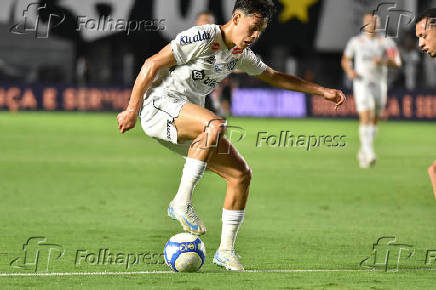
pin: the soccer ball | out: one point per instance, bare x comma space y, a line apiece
184, 253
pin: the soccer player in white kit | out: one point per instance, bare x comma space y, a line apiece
169, 96
372, 54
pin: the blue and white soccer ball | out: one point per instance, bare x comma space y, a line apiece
184, 253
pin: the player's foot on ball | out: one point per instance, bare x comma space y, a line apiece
228, 259
188, 218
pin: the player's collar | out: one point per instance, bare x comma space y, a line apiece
365, 35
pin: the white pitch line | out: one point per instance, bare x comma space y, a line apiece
85, 273
170, 272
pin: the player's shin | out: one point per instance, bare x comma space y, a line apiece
232, 220
192, 173
373, 129
364, 135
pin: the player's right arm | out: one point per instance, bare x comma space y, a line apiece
347, 66
164, 59
347, 60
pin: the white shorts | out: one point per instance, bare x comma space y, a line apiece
157, 120
370, 96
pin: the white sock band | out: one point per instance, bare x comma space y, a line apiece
192, 173
365, 137
232, 220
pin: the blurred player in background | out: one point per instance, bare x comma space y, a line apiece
372, 54
426, 34
205, 17
171, 107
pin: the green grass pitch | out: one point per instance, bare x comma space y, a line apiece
73, 179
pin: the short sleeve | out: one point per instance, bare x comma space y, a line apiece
391, 48
192, 43
251, 64
349, 49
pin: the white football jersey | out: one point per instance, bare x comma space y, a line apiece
364, 49
203, 60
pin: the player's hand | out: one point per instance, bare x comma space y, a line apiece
379, 61
126, 121
335, 96
352, 75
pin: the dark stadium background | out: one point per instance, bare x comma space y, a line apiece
94, 70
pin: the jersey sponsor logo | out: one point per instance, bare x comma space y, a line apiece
231, 65
215, 46
237, 50
219, 67
210, 82
169, 130
198, 75
193, 39
211, 59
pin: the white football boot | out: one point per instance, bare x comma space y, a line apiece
372, 158
187, 217
363, 159
228, 259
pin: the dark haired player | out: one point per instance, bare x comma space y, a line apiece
169, 96
426, 33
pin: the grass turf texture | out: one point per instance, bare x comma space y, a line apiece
74, 180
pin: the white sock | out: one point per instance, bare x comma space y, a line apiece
365, 137
192, 173
373, 129
232, 220
372, 132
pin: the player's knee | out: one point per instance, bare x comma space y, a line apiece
215, 129
244, 176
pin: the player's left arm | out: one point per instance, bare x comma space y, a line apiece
288, 82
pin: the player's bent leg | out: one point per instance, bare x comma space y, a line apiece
194, 122
202, 126
231, 166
